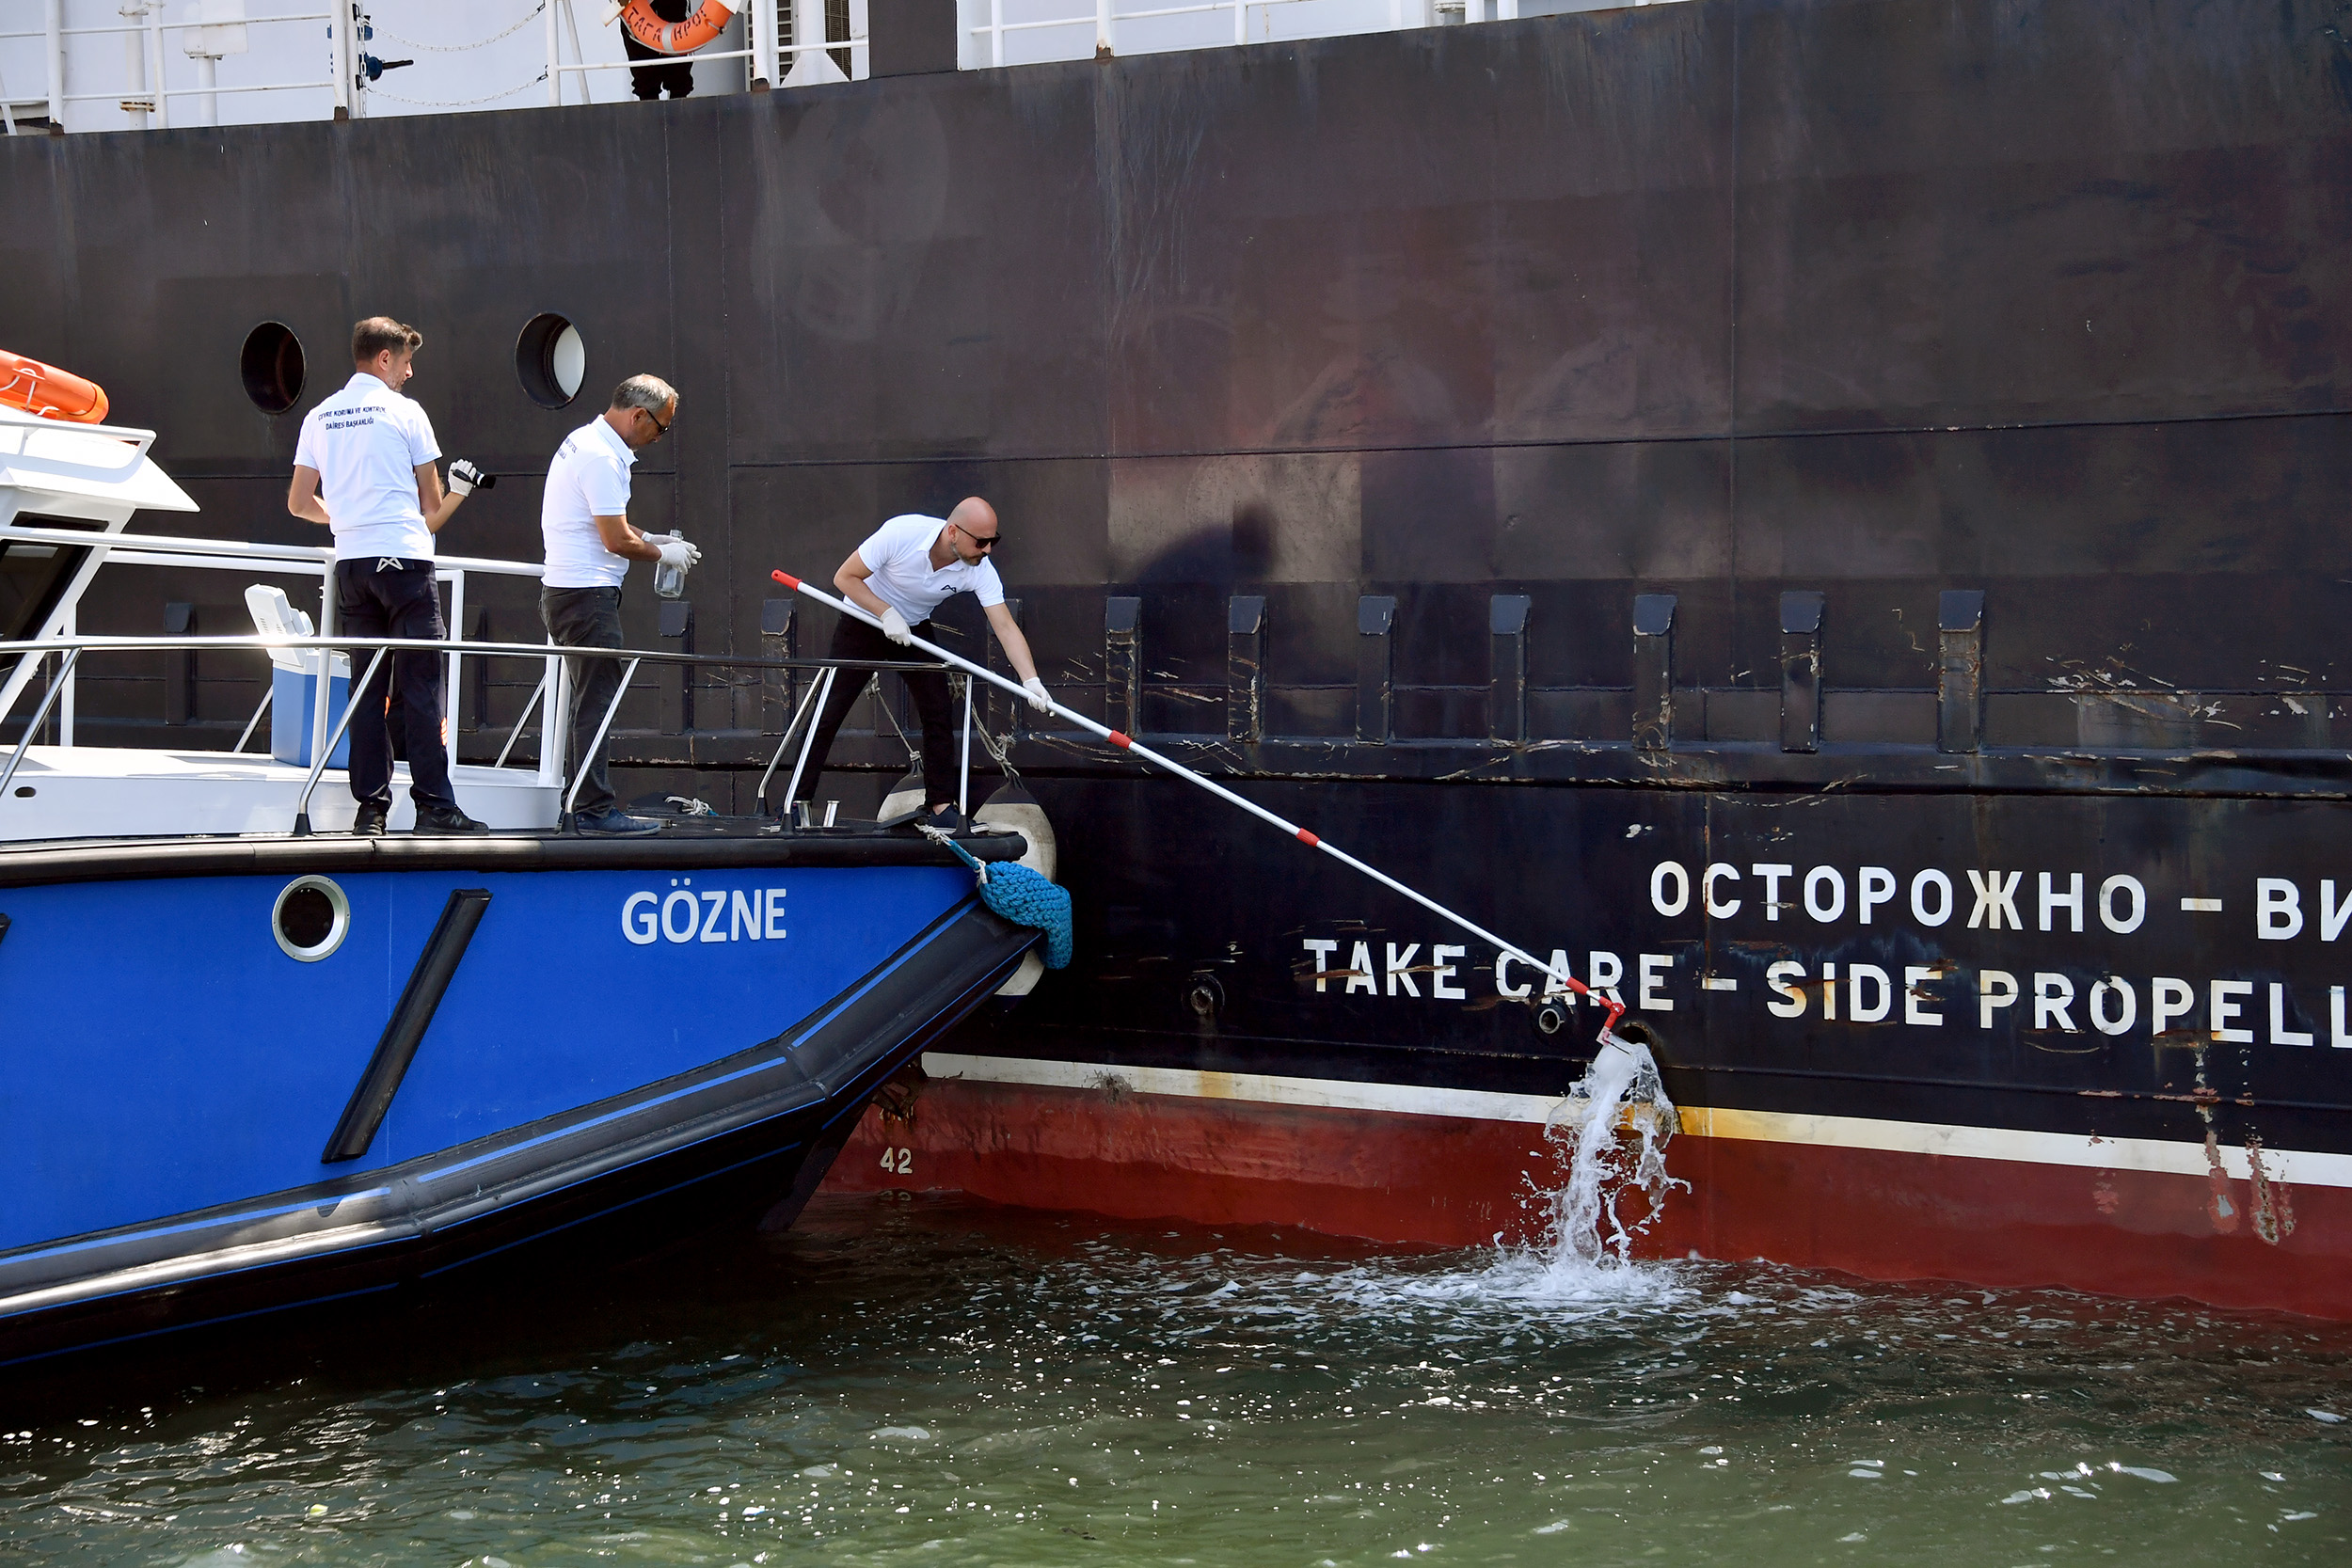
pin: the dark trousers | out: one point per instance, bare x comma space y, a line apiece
587, 618
855, 639
381, 597
647, 81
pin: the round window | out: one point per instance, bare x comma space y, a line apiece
550, 359
310, 918
271, 364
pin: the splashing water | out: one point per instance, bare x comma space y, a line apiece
1584, 1230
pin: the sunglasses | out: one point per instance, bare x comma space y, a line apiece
986, 541
660, 428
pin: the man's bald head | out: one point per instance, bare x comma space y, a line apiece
973, 513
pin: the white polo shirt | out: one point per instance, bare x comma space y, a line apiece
367, 442
900, 557
589, 479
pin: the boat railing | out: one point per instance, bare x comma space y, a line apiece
788, 44
206, 33
29, 435
550, 698
228, 555
1115, 28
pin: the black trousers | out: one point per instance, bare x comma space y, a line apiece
587, 618
855, 639
647, 81
381, 597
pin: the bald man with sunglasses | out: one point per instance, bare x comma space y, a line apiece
900, 576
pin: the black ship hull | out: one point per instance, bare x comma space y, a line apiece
1849, 437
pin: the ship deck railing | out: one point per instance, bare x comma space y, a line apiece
549, 700
174, 65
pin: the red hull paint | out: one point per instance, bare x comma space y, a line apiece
1446, 1182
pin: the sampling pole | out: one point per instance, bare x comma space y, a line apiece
1127, 743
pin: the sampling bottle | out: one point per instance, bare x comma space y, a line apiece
669, 581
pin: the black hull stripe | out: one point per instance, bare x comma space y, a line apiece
371, 1097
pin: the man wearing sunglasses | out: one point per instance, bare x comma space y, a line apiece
583, 516
900, 576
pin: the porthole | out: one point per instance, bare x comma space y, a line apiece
550, 359
310, 918
271, 364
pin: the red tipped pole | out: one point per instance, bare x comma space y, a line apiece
1127, 743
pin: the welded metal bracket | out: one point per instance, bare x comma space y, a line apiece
1507, 679
1960, 674
1244, 667
1800, 670
1653, 670
1123, 662
1376, 669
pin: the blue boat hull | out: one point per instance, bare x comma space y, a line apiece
171, 1077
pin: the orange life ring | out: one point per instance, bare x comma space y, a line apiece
48, 391
677, 37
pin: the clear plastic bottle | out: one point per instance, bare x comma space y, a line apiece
668, 582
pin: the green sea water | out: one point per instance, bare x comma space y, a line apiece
937, 1380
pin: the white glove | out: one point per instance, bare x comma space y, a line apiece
1038, 699
895, 626
463, 476
678, 554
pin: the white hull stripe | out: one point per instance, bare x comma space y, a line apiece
2159, 1156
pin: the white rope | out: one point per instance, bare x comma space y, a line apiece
997, 749
915, 754
456, 102
383, 31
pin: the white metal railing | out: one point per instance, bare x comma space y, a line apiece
783, 43
551, 699
775, 44
548, 770
986, 24
207, 31
306, 560
32, 436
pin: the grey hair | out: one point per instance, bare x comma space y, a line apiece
648, 393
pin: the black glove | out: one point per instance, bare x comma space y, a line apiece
465, 477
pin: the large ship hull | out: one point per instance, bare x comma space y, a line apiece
1822, 433
1967, 1079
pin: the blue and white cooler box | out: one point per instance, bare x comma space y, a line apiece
294, 681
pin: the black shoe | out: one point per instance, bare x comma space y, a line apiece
946, 820
614, 822
447, 821
368, 822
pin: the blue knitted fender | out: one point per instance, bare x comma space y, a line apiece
1015, 892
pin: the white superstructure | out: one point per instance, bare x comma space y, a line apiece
117, 65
